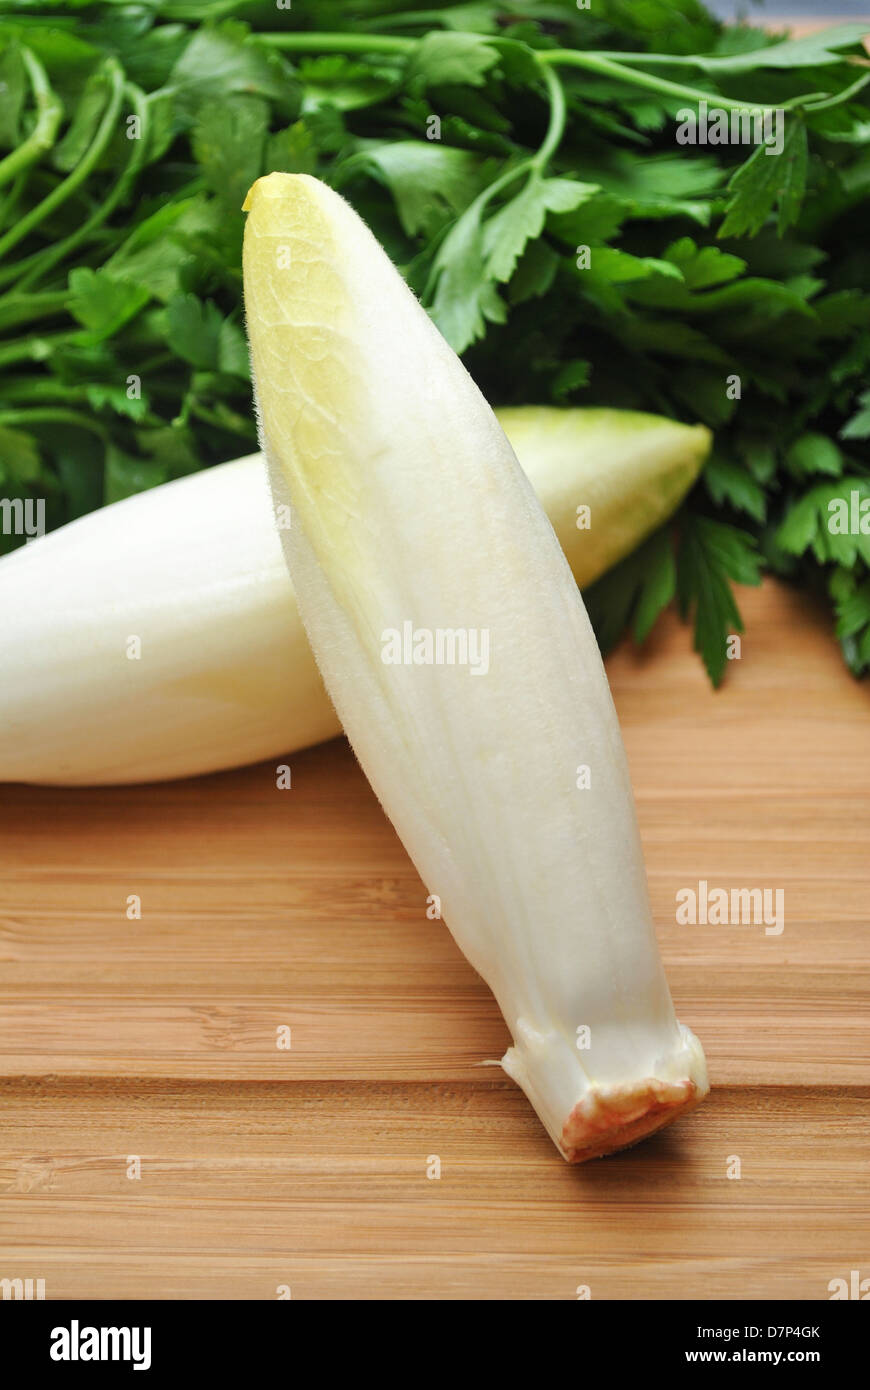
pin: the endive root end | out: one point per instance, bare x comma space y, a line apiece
616, 1117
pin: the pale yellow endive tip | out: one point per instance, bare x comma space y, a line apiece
298, 303
279, 186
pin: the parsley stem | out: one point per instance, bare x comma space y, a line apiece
224, 419
406, 20
535, 164
607, 63
48, 415
688, 61
27, 390
540, 159
49, 111
65, 190
339, 43
192, 13
155, 363
558, 111
44, 392
34, 349
13, 198
667, 60
43, 261
18, 308
606, 67
835, 100
33, 392
616, 64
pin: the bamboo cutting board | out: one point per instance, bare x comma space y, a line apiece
262, 1168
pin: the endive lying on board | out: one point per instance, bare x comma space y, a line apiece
505, 777
193, 569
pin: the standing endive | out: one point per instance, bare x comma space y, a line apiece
456, 648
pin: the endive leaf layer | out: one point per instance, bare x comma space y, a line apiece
194, 569
410, 511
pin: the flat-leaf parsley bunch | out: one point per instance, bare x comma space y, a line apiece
521, 164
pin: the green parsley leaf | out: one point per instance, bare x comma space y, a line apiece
637, 589
342, 82
859, 425
464, 297
228, 140
83, 127
703, 267
19, 458
429, 181
453, 58
201, 335
102, 303
710, 555
225, 58
766, 181
812, 50
126, 475
813, 453
727, 482
522, 219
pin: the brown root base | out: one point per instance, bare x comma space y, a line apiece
613, 1119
